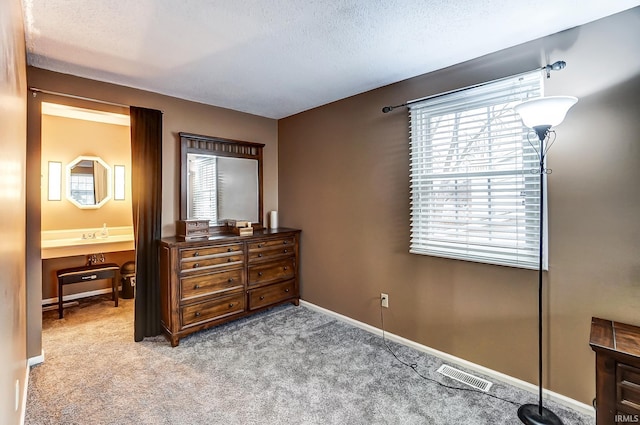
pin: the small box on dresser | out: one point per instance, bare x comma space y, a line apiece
192, 229
204, 283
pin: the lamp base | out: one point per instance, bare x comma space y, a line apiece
529, 414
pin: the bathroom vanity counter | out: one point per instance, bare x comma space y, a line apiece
66, 243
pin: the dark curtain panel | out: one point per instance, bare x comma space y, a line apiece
146, 188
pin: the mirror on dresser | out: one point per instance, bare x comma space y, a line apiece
220, 179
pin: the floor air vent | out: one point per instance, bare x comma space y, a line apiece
465, 378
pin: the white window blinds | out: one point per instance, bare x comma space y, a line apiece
475, 183
203, 182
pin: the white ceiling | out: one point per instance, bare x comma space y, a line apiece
275, 58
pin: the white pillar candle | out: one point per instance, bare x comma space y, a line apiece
273, 220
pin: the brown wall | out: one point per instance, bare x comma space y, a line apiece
178, 115
13, 87
344, 181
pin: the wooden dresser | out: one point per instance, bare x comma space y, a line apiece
208, 282
617, 348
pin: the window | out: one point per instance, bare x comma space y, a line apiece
475, 183
81, 188
203, 182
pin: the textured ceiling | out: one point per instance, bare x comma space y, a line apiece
275, 58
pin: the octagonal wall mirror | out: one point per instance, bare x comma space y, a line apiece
88, 182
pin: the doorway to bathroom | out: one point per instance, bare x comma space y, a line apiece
86, 209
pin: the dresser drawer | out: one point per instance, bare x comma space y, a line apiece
211, 283
272, 272
271, 294
194, 264
271, 249
213, 309
204, 251
628, 388
205, 283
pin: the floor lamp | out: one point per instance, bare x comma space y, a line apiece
541, 114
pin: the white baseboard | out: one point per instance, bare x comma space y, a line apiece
36, 360
547, 394
79, 295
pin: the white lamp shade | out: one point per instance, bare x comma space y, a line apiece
545, 111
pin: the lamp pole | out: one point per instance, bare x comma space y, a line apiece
532, 414
541, 114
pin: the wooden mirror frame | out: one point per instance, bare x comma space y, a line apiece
203, 145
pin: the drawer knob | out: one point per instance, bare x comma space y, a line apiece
196, 265
259, 245
197, 314
229, 250
229, 260
196, 286
285, 242
259, 273
260, 255
195, 254
286, 250
286, 268
230, 280
261, 297
230, 305
286, 290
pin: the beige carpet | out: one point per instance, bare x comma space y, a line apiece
288, 365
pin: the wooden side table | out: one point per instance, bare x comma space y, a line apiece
617, 348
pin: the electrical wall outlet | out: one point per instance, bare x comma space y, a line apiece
384, 300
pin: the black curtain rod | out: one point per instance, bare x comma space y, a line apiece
73, 96
556, 66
